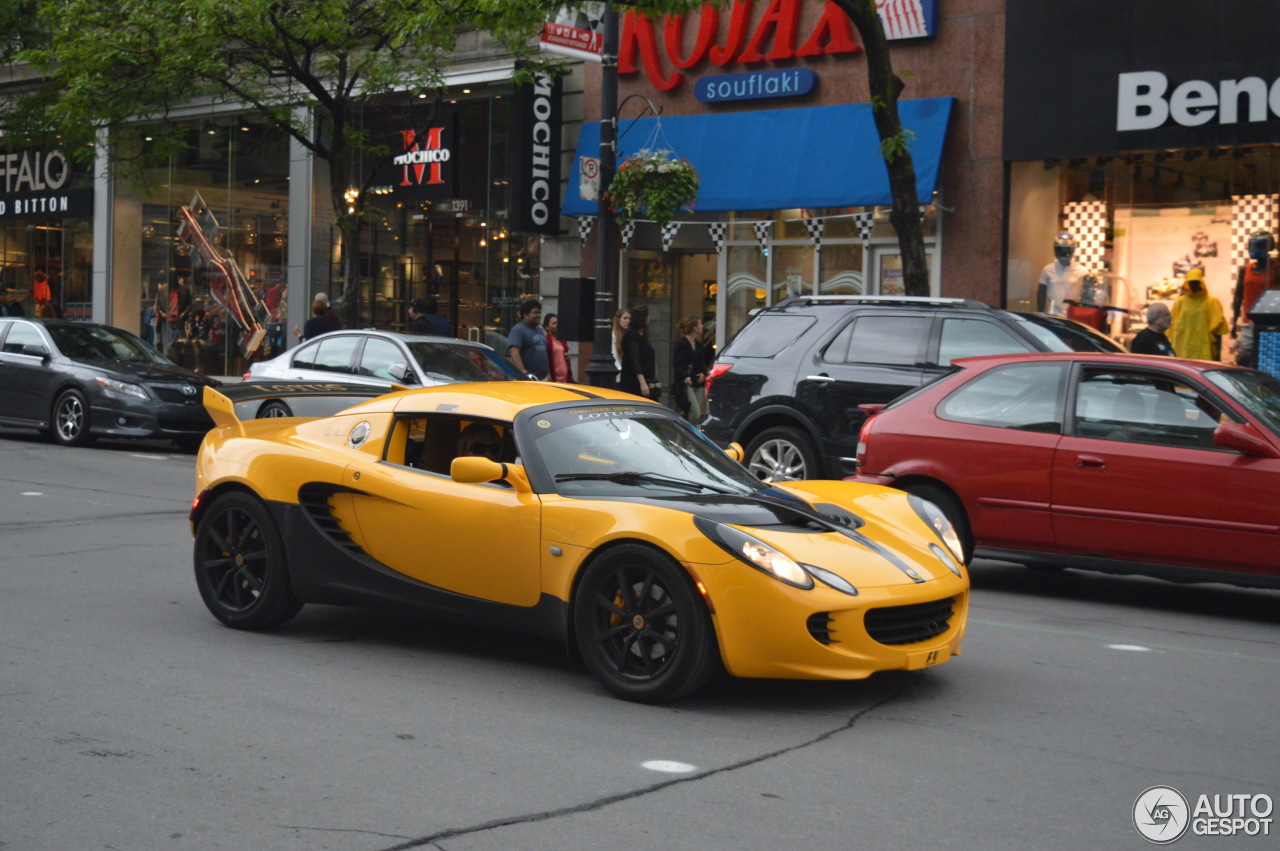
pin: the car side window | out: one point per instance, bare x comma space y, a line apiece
964, 338
430, 442
1138, 407
377, 356
21, 334
305, 357
334, 354
1027, 397
885, 340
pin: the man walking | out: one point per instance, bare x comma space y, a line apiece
527, 343
424, 318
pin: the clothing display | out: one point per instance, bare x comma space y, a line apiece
1061, 282
1197, 322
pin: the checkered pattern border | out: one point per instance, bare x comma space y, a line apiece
628, 232
762, 232
1249, 213
669, 231
718, 232
585, 223
865, 222
814, 227
1087, 222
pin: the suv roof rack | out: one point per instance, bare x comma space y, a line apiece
881, 299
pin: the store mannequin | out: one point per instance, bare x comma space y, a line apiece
1062, 280
1257, 275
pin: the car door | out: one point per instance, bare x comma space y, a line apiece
477, 540
964, 337
24, 378
1002, 429
1139, 478
376, 358
874, 358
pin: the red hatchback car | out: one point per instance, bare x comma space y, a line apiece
1120, 463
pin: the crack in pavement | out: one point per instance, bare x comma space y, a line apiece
601, 803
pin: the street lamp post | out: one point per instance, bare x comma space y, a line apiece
601, 370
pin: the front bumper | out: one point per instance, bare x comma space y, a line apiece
768, 629
141, 418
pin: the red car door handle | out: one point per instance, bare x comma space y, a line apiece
1090, 462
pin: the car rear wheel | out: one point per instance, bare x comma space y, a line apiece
71, 419
952, 508
641, 628
240, 564
782, 454
274, 408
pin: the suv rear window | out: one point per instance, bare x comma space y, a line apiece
768, 334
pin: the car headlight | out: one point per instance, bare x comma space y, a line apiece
755, 552
123, 388
936, 519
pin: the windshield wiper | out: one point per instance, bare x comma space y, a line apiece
645, 478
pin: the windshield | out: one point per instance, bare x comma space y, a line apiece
1257, 392
1064, 335
632, 450
100, 343
448, 362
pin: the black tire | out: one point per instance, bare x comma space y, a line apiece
952, 508
274, 408
783, 454
641, 628
69, 422
240, 564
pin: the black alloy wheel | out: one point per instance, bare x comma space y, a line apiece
70, 419
240, 564
274, 408
643, 631
782, 454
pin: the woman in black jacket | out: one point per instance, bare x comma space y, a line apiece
688, 370
638, 363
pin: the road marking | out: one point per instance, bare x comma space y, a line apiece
1111, 639
1134, 648
150, 457
32, 493
666, 766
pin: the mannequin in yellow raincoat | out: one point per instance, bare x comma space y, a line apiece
1198, 322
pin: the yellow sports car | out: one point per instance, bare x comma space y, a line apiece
586, 515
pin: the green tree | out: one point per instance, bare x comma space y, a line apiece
110, 64
895, 139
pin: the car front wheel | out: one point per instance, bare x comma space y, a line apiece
240, 564
782, 454
71, 419
641, 628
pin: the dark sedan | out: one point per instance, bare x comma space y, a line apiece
78, 380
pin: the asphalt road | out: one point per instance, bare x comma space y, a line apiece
130, 719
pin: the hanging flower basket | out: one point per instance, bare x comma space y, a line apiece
654, 185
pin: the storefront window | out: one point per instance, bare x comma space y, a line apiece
792, 271
841, 269
745, 286
1141, 221
238, 169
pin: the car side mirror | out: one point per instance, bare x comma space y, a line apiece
734, 451
476, 470
402, 372
36, 351
1245, 439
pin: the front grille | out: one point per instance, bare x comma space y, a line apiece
909, 624
173, 394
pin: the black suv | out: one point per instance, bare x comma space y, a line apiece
788, 386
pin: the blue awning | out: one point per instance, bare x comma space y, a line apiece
823, 156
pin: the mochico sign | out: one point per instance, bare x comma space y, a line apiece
1144, 101
537, 172
38, 184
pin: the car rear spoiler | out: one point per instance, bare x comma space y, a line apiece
228, 404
